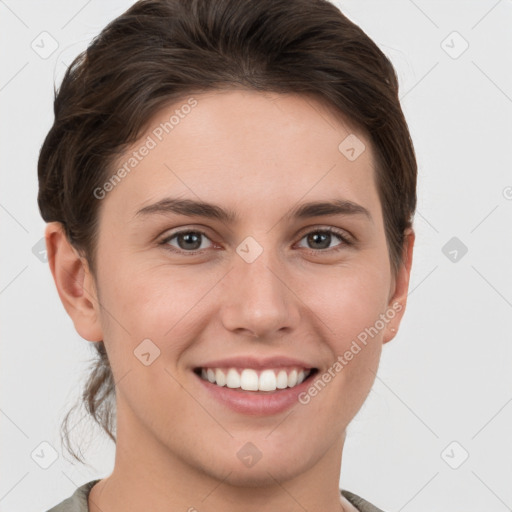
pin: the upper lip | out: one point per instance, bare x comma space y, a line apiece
256, 363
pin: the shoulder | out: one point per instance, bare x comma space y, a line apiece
361, 504
77, 502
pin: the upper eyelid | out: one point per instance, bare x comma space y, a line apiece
179, 231
333, 229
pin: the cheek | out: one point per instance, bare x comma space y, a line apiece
154, 303
157, 301
349, 310
148, 322
349, 301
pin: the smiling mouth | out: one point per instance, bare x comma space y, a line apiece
249, 379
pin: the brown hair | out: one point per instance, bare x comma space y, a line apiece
160, 51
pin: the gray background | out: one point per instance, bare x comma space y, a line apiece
444, 387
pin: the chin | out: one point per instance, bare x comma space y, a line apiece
266, 471
261, 475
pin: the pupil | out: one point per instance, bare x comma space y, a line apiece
187, 238
314, 238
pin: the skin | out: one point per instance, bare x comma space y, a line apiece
258, 154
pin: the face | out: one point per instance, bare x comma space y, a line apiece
246, 288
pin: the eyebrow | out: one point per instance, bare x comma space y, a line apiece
195, 208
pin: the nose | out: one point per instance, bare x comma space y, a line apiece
257, 298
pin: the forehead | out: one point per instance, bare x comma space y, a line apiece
246, 147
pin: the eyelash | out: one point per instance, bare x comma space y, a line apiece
333, 231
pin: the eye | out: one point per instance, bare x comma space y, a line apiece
320, 239
188, 241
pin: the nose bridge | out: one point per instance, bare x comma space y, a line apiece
257, 298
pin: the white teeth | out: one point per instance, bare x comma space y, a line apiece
282, 380
220, 378
233, 379
249, 380
267, 381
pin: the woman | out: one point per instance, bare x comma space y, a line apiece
269, 137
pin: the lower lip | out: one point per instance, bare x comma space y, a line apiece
255, 403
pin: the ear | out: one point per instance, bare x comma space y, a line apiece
398, 294
74, 282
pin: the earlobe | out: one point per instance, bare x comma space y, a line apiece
398, 299
74, 282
